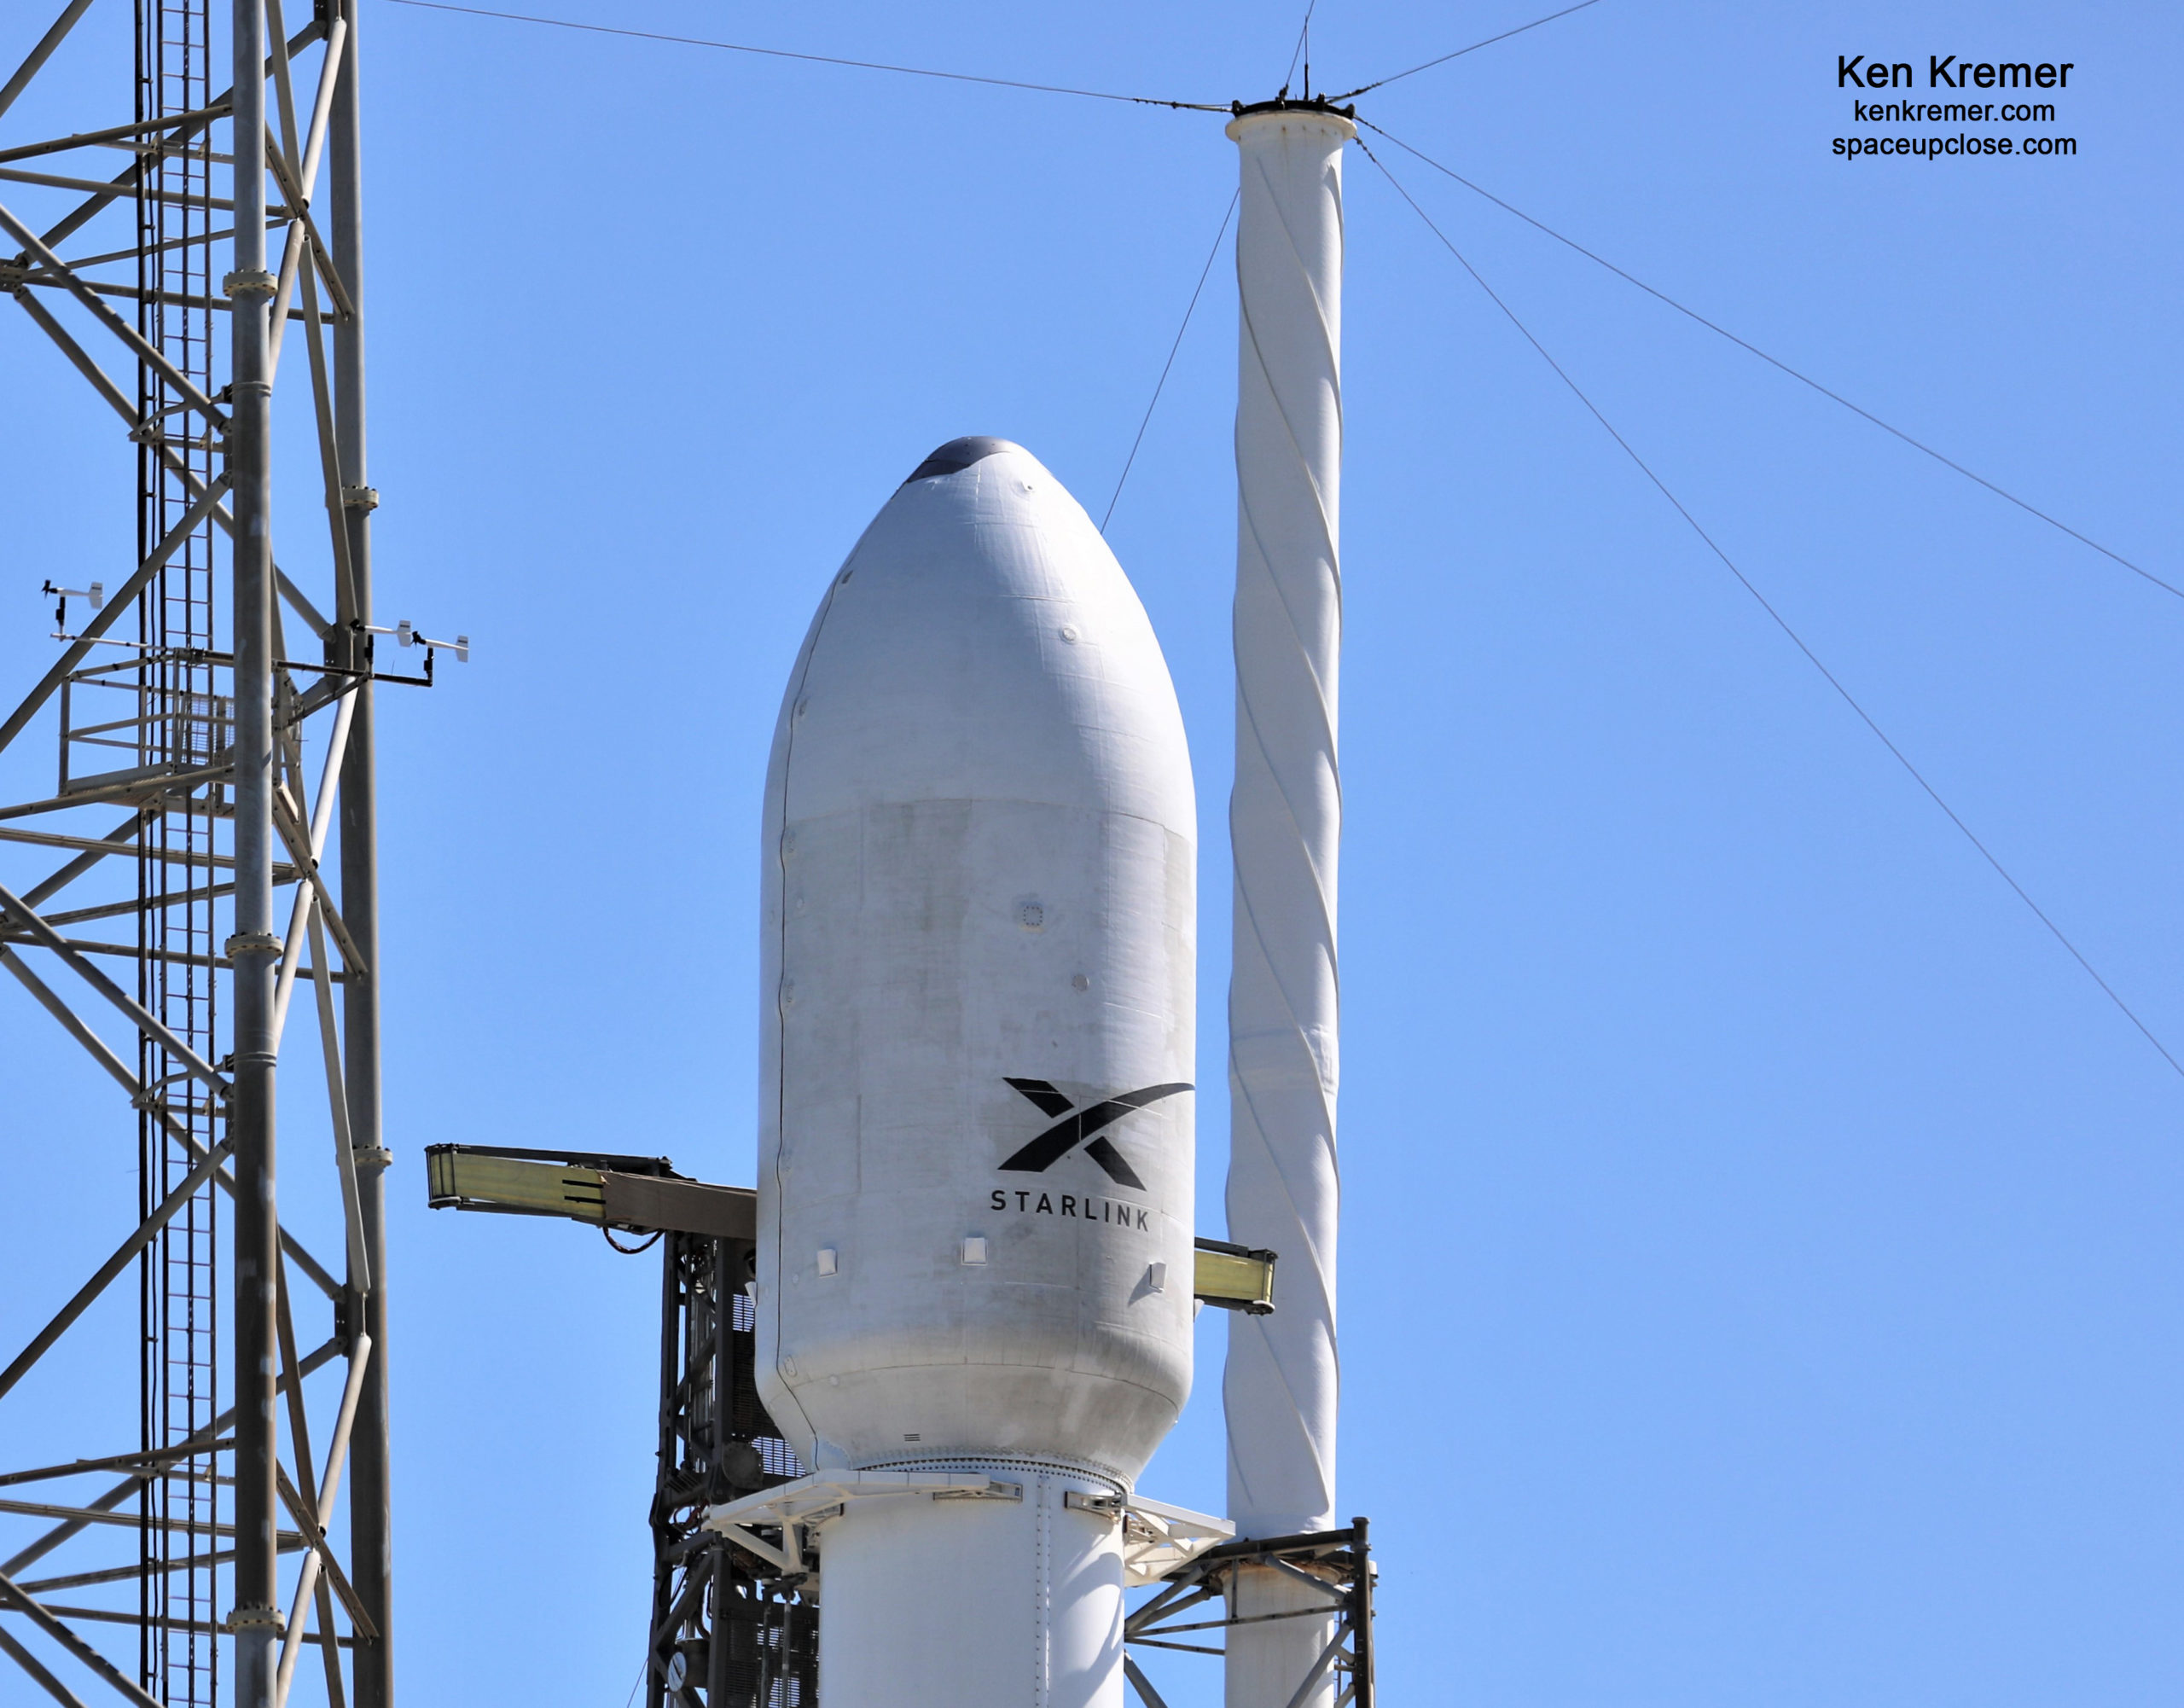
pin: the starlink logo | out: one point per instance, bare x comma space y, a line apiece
1086, 1126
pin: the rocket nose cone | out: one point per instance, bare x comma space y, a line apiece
981, 643
958, 453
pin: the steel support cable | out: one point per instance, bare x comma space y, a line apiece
1782, 623
1160, 385
817, 58
1382, 82
1303, 42
1776, 362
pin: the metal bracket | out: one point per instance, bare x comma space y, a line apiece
811, 1501
993, 1490
1233, 1277
1337, 1563
636, 1194
1158, 1539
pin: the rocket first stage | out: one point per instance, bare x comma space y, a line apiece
975, 1221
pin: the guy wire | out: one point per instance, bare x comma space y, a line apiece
813, 59
1781, 622
1776, 362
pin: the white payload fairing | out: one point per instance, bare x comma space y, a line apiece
974, 1265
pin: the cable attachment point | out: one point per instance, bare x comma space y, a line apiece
1283, 103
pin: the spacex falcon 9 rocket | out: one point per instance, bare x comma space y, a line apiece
970, 1303
975, 1161
974, 1199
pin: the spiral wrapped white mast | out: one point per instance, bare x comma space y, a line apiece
1283, 1378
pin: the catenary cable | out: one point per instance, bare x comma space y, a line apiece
1776, 362
1205, 273
1781, 622
813, 59
1382, 82
1304, 40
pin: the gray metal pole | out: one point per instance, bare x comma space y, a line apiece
257, 1618
42, 52
370, 1519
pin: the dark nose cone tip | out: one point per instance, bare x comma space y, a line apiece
958, 454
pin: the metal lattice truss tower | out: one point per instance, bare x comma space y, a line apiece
200, 859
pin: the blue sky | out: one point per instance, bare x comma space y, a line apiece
1760, 1280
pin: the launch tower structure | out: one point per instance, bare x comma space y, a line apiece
141, 878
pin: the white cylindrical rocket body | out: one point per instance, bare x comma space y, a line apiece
974, 1604
1281, 1385
975, 1170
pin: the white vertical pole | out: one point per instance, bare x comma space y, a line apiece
1285, 819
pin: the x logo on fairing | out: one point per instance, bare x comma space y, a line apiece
1065, 1135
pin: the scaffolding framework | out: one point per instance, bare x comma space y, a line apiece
1333, 1568
211, 724
729, 1631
